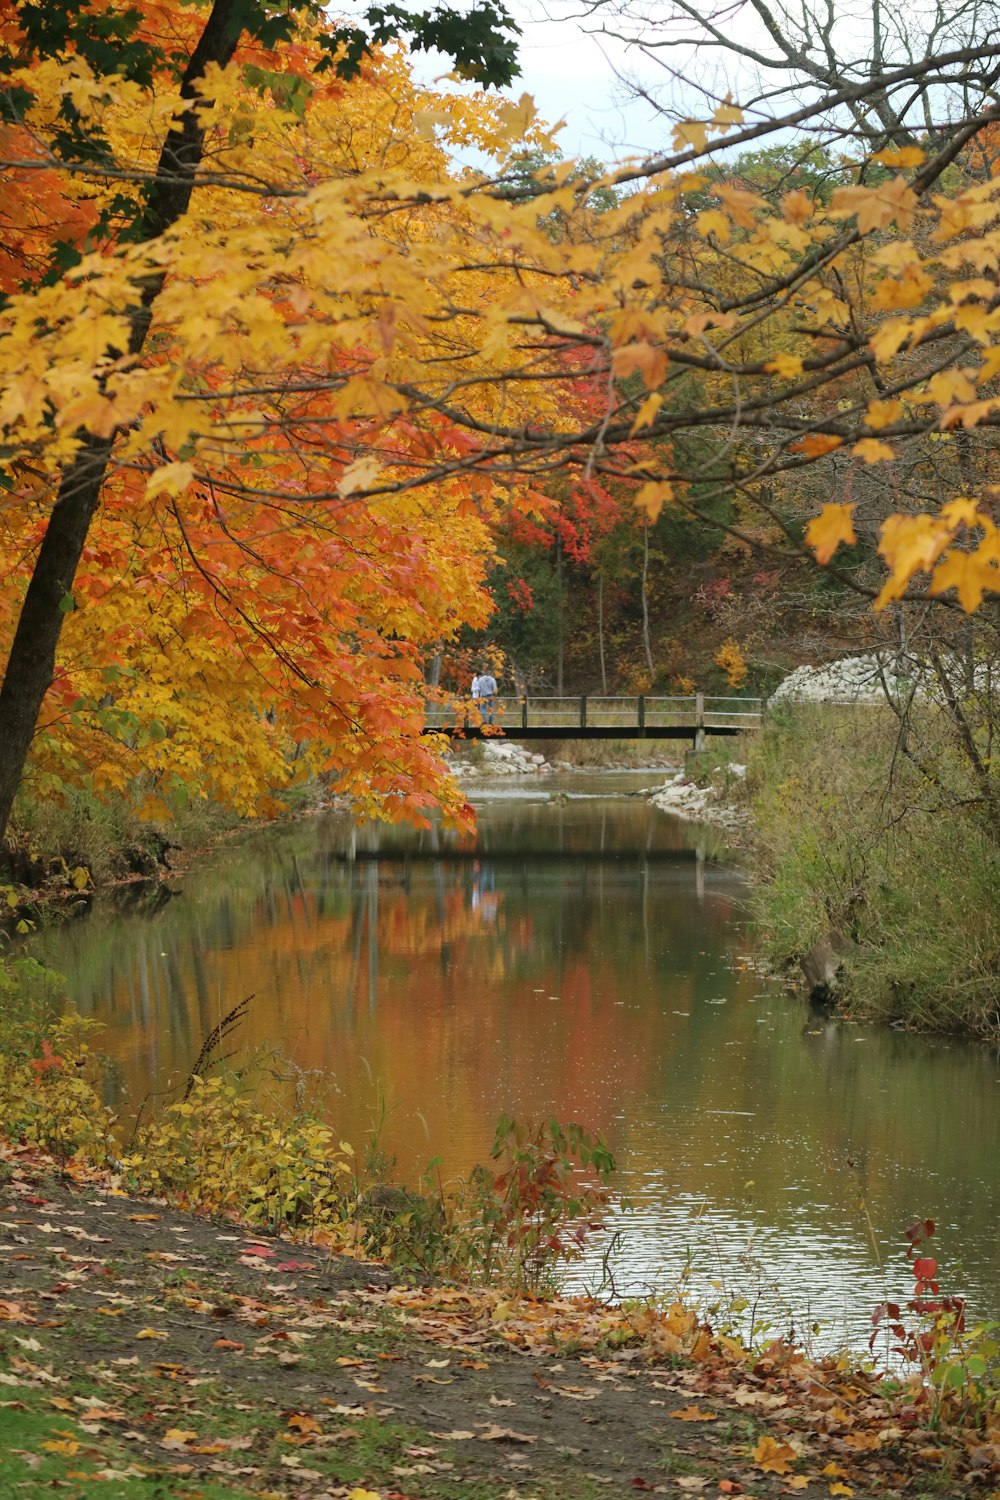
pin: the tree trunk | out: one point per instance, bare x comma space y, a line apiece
562, 613
31, 664
645, 601
600, 631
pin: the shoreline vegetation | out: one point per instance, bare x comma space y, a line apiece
873, 837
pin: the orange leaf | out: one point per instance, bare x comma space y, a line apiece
302, 1422
815, 444
694, 1414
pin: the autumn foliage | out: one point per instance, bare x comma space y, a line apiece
298, 398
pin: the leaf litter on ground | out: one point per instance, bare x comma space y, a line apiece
140, 1346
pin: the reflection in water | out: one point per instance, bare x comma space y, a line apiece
601, 976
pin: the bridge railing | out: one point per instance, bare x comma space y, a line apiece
587, 711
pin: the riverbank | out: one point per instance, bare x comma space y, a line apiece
146, 1348
883, 847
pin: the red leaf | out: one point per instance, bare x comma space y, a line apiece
925, 1269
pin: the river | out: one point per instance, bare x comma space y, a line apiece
585, 960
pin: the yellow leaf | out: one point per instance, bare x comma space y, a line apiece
882, 413
773, 1457
653, 496
713, 221
173, 478
727, 115
969, 574
516, 119
901, 156
964, 512
833, 525
740, 204
796, 207
66, 1446
647, 412
796, 1481
841, 1489
909, 544
874, 451
878, 207
152, 1333
694, 1414
360, 475
949, 386
906, 290
690, 133
785, 365
696, 324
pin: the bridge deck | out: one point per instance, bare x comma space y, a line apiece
600, 718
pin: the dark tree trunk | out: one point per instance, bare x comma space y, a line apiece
31, 664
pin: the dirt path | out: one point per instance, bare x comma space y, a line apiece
146, 1352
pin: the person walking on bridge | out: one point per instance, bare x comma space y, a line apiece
486, 684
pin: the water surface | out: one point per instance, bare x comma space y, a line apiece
582, 960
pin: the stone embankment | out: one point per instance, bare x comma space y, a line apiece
499, 758
713, 804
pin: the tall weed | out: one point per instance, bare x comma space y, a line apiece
852, 836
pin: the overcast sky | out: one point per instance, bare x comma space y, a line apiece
573, 76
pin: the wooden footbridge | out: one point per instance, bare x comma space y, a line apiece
592, 718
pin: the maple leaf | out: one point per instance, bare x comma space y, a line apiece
901, 156
492, 1433
908, 289
727, 115
360, 475
172, 479
969, 574
647, 412
652, 496
643, 358
878, 207
48, 1059
796, 207
833, 525
882, 413
874, 451
694, 1414
714, 221
785, 365
815, 444
690, 133
740, 204
773, 1457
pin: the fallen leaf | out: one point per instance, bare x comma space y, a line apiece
302, 1422
694, 1414
152, 1333
773, 1457
495, 1434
